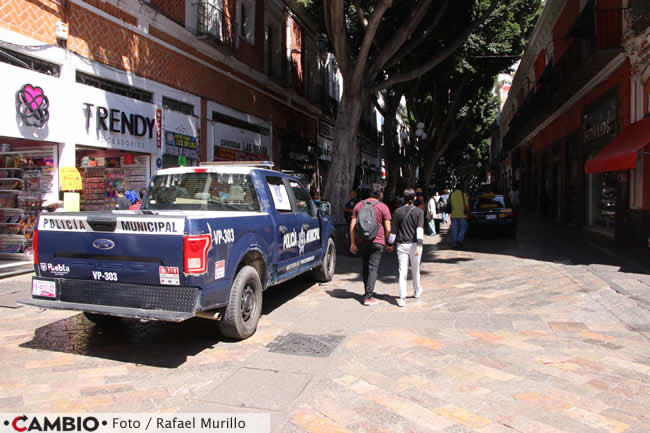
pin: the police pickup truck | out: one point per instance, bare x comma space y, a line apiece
206, 242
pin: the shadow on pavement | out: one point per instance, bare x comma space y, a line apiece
542, 240
156, 344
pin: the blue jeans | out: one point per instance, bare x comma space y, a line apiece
458, 228
432, 226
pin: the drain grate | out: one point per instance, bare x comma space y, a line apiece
305, 345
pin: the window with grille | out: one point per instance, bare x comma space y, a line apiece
114, 87
28, 62
175, 105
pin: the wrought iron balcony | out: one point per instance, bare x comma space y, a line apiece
213, 23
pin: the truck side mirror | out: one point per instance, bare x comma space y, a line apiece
324, 208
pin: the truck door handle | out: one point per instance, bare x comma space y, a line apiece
305, 227
283, 230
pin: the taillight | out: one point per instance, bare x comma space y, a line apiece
35, 245
195, 253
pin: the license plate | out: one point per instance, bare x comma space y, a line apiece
490, 217
104, 276
44, 289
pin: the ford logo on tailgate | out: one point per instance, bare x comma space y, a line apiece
103, 244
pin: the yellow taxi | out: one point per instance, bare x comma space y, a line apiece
490, 213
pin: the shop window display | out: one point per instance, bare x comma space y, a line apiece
103, 175
26, 180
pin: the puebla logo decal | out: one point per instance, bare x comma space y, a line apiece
32, 106
103, 244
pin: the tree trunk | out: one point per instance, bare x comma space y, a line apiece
391, 105
390, 157
344, 153
429, 165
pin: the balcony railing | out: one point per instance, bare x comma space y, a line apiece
213, 22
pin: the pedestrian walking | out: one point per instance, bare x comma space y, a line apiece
408, 233
432, 214
369, 226
348, 208
459, 208
444, 205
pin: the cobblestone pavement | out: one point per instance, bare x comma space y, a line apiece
508, 336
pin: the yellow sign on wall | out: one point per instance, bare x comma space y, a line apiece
70, 179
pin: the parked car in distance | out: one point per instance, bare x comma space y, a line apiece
491, 213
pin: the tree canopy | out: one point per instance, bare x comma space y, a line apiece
384, 45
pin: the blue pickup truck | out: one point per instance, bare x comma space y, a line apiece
207, 242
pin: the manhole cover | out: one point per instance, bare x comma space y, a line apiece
305, 345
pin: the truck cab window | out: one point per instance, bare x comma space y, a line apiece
303, 199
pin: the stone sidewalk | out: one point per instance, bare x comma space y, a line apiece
500, 341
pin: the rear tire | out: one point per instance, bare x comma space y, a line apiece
244, 306
325, 272
102, 319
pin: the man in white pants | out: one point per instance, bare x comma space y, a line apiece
408, 233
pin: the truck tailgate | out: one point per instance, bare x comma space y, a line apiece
111, 247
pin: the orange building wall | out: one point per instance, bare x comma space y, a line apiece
35, 20
173, 9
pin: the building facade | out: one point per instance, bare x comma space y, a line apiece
576, 119
115, 90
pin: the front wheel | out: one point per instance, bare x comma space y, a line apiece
325, 272
244, 306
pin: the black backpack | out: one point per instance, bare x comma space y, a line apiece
367, 228
442, 205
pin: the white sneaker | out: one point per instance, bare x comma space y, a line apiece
401, 302
417, 294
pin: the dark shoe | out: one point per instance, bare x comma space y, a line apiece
369, 301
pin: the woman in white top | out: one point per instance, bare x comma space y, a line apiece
431, 215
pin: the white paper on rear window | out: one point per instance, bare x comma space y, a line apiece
280, 197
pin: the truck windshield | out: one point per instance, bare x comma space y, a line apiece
201, 191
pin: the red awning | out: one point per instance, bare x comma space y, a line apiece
620, 153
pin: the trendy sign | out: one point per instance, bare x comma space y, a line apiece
117, 122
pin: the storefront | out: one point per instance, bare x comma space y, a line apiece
235, 136
117, 141
31, 130
325, 146
599, 125
181, 137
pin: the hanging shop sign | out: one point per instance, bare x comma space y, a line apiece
32, 106
158, 128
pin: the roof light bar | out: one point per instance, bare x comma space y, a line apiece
265, 164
